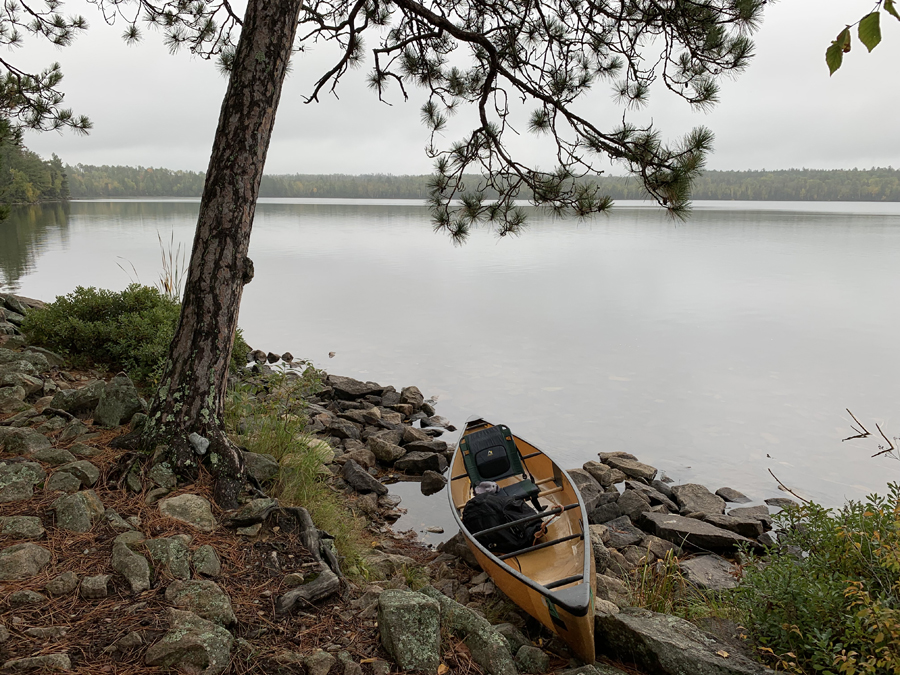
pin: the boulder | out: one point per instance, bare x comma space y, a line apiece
623, 533
384, 450
653, 494
412, 435
194, 510
760, 513
94, 588
22, 440
171, 554
192, 645
532, 660
62, 584
409, 625
202, 597
748, 527
694, 498
83, 470
437, 421
781, 502
22, 561
133, 566
12, 400
22, 527
62, 481
79, 401
589, 488
732, 495
427, 446
78, 512
263, 468
341, 428
601, 553
118, 402
612, 590
489, 649
54, 456
456, 545
710, 572
432, 482
631, 467
360, 480
73, 429
43, 663
206, 561
695, 533
412, 396
667, 645
633, 503
603, 513
348, 389
515, 639
417, 463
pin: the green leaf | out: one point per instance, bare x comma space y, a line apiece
890, 9
834, 55
870, 30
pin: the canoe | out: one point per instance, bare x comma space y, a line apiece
553, 579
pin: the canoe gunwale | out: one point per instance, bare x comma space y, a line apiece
579, 609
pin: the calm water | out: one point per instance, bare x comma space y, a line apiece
714, 349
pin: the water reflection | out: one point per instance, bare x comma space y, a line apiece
23, 237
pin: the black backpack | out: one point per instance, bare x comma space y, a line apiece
491, 509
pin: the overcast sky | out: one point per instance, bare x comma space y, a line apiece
153, 109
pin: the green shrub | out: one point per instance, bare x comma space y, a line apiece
827, 599
126, 330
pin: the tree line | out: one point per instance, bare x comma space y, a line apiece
26, 178
877, 184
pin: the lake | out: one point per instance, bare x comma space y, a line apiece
714, 349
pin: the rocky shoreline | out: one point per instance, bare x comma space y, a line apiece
105, 571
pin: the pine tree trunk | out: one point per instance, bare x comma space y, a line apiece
192, 388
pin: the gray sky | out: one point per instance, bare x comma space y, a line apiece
153, 109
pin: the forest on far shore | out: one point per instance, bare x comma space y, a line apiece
98, 182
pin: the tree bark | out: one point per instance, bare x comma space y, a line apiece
192, 389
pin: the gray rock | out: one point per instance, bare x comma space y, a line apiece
694, 498
603, 513
206, 561
22, 440
437, 421
133, 566
202, 597
667, 645
633, 503
198, 443
62, 481
654, 495
513, 636
348, 389
732, 495
414, 435
25, 599
192, 645
710, 572
623, 533
22, 527
409, 625
263, 468
631, 467
598, 471
194, 510
83, 470
601, 553
28, 383
532, 660
161, 475
51, 358
350, 667
489, 649
83, 450
4, 634
589, 488
386, 565
612, 590
417, 463
432, 482
46, 632
73, 429
78, 401
63, 584
94, 588
319, 663
54, 456
781, 502
427, 446
12, 400
456, 545
118, 403
657, 548
413, 397
360, 480
116, 521
695, 533
16, 491
748, 527
22, 561
78, 512
384, 450
171, 554
45, 662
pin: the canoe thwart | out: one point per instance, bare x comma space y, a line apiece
538, 547
562, 582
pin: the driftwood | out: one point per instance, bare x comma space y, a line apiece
323, 586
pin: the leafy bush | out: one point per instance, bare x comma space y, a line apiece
128, 330
827, 599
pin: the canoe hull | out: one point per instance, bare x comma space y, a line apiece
567, 610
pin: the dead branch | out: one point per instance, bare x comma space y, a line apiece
859, 434
787, 489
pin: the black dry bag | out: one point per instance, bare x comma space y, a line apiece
490, 510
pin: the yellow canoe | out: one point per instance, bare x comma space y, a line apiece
553, 579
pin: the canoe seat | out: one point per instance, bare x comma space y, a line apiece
491, 455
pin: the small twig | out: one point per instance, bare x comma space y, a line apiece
890, 447
787, 489
859, 434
